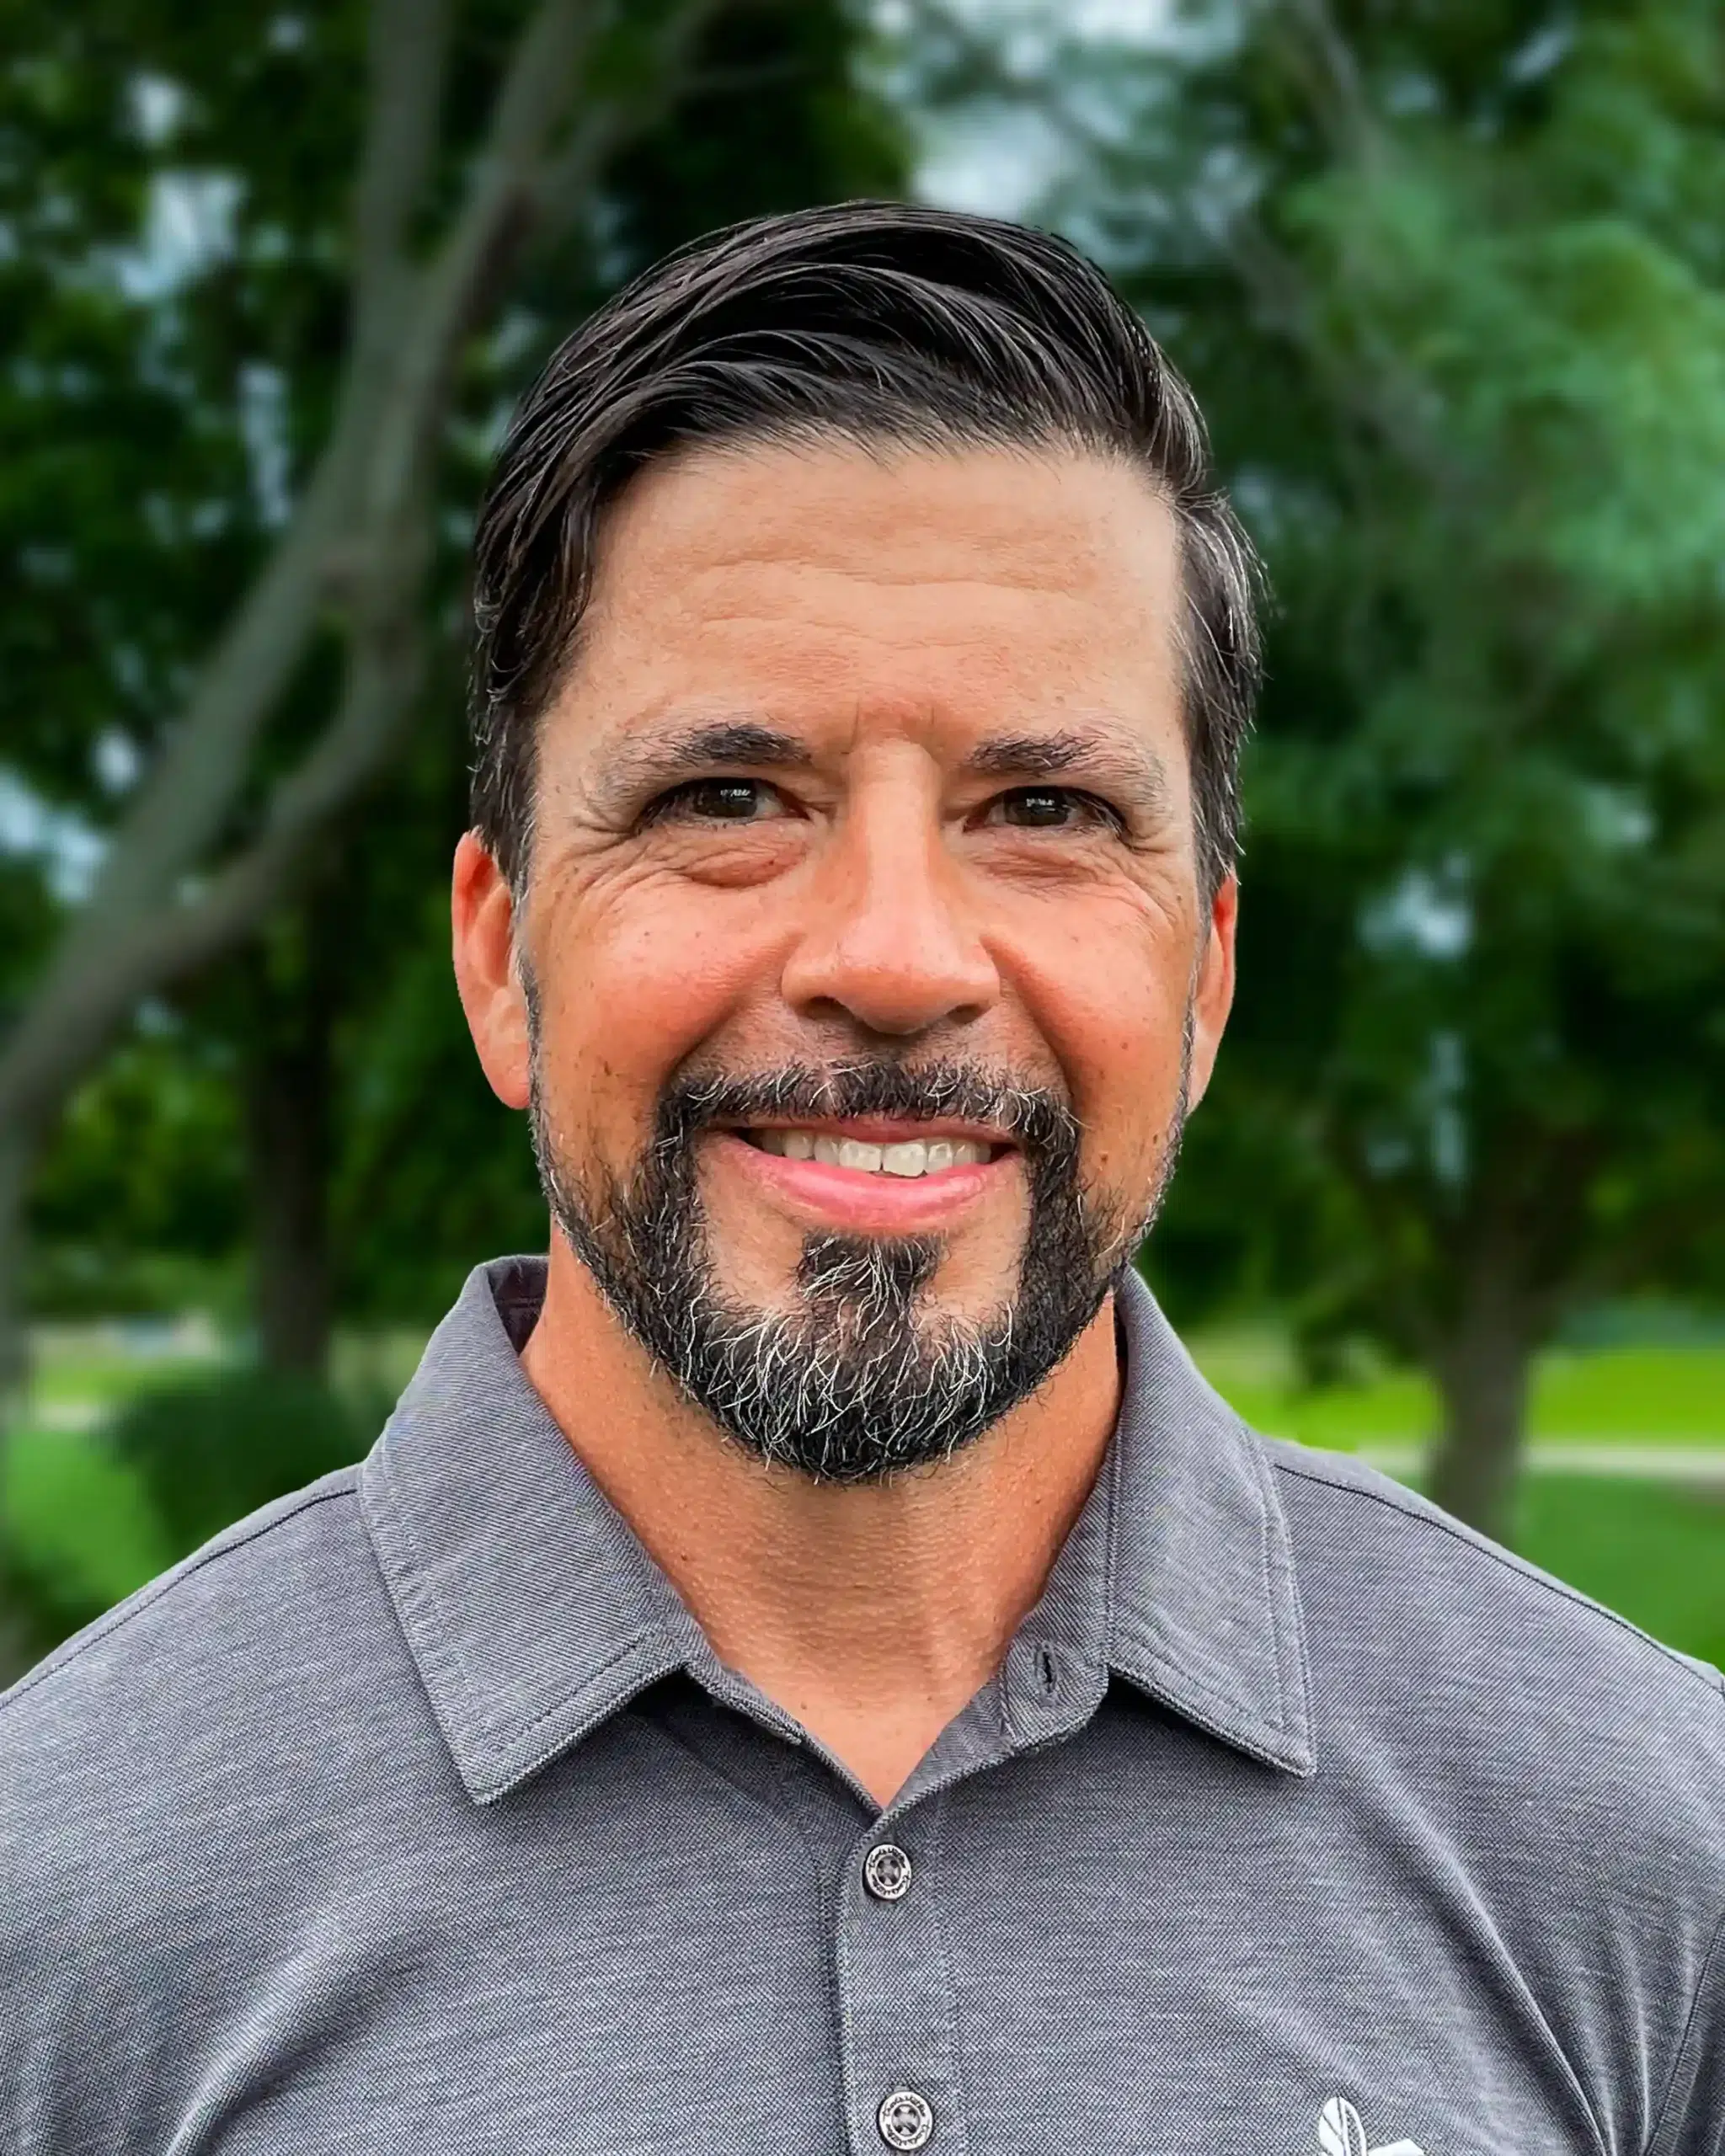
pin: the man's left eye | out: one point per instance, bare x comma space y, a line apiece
1048, 808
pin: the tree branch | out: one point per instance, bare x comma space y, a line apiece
408, 52
1334, 80
538, 87
385, 673
359, 520
598, 135
178, 810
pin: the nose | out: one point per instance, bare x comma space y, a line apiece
890, 941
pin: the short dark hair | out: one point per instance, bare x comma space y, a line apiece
872, 320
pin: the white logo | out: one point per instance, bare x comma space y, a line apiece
1340, 2134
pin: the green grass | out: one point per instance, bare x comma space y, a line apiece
1667, 1395
1655, 1553
1676, 1394
79, 1372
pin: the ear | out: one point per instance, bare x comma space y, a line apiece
482, 919
1213, 988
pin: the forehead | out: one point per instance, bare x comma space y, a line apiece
840, 586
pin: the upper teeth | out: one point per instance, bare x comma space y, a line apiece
913, 1157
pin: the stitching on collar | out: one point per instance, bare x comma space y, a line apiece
1286, 1583
495, 1741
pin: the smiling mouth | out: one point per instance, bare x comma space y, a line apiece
907, 1158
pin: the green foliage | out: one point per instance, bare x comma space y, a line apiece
139, 1207
78, 1533
176, 188
1455, 301
777, 120
88, 1516
209, 1450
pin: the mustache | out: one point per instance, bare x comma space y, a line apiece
1036, 1117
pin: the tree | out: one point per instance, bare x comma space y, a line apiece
245, 442
1451, 286
447, 190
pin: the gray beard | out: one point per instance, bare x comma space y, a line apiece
862, 1379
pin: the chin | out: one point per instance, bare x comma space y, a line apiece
953, 1295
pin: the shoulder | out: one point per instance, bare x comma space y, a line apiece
191, 1791
1350, 1521
232, 1593
226, 1689
1449, 1656
1553, 1778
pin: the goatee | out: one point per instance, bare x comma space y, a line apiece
866, 1376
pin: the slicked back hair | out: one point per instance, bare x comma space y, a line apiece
871, 321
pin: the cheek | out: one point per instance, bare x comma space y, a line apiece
1108, 997
632, 979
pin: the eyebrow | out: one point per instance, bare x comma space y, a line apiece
1129, 768
653, 766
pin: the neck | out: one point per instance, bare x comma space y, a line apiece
871, 1614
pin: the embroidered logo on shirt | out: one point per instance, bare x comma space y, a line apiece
1340, 2134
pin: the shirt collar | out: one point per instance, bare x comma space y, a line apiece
533, 1613
1205, 1612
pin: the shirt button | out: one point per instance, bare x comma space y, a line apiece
905, 2120
886, 1872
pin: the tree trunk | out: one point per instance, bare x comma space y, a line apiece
287, 1129
17, 1645
17, 1157
289, 991
1482, 1371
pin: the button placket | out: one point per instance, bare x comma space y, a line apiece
1047, 1693
897, 2004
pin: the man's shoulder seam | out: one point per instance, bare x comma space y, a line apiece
1710, 1680
158, 1590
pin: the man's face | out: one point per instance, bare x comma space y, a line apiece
867, 973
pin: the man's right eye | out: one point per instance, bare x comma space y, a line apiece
720, 801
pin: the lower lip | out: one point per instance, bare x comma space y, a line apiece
828, 1197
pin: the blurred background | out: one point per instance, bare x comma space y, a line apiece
1449, 276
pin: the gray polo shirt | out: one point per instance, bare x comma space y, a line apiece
415, 1817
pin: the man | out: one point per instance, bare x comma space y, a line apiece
811, 1666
